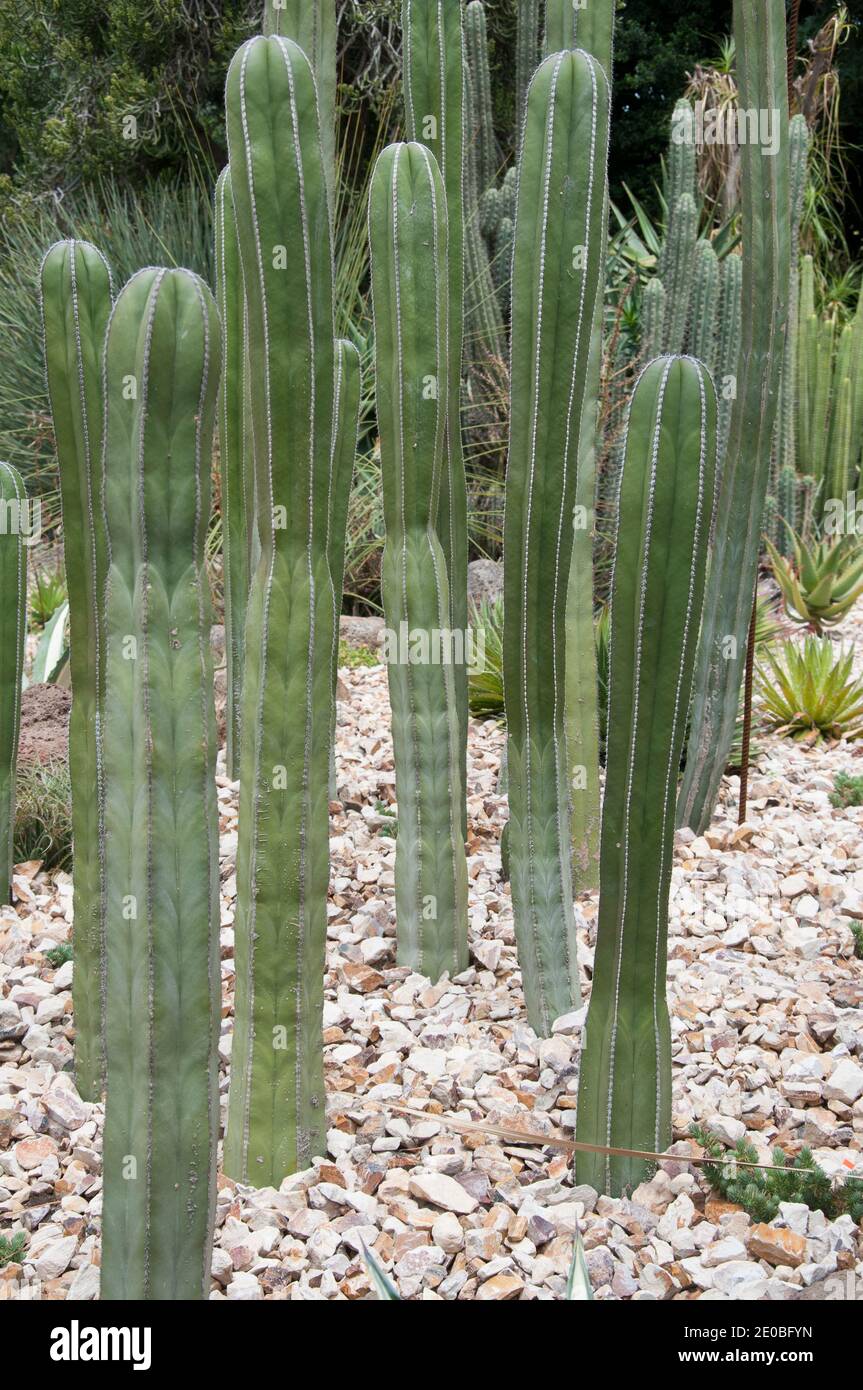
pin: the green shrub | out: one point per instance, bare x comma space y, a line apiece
12, 1251
759, 1191
848, 790
485, 686
59, 955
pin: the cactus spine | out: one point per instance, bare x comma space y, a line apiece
559, 239
408, 229
76, 303
436, 103
13, 630
235, 458
476, 35
312, 25
278, 178
663, 525
759, 28
160, 812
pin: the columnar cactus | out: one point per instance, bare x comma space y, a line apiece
681, 168
346, 412
488, 155
759, 27
312, 25
527, 54
436, 106
236, 459
408, 229
705, 303
76, 303
590, 29
13, 630
589, 26
663, 525
160, 813
559, 240
678, 270
728, 345
784, 445
652, 316
276, 1117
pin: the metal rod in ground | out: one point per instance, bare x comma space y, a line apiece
747, 716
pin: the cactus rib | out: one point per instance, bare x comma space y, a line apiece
13, 630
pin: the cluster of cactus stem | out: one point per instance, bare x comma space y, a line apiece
13, 629
136, 389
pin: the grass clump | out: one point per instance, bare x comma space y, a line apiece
43, 815
59, 955
12, 1250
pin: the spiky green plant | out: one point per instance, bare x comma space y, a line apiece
728, 345
821, 582
278, 169
705, 303
408, 230
14, 525
759, 29
784, 444
486, 683
160, 816
346, 412
436, 106
678, 271
76, 303
808, 691
527, 52
559, 243
663, 528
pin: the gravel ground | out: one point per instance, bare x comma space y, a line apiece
765, 996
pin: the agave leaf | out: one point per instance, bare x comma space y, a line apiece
383, 1285
578, 1285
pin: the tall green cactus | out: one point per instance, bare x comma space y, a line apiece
236, 459
278, 176
652, 316
678, 270
759, 28
76, 302
682, 163
784, 444
590, 29
346, 412
663, 526
160, 812
527, 54
408, 229
728, 344
559, 240
705, 303
436, 105
312, 24
13, 631
476, 35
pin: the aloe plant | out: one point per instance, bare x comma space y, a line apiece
13, 631
663, 527
436, 108
279, 181
759, 29
808, 691
559, 243
76, 302
408, 230
160, 817
821, 582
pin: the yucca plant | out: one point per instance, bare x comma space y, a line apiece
821, 582
809, 691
